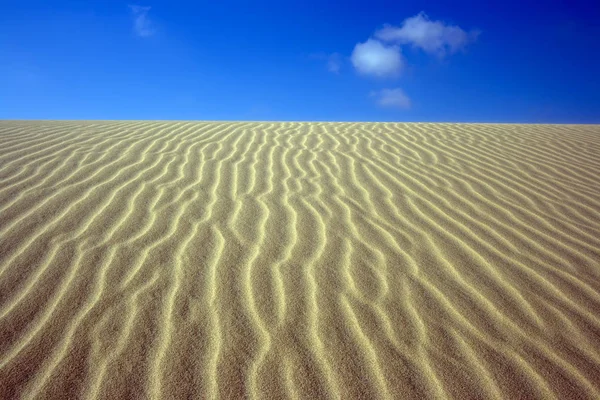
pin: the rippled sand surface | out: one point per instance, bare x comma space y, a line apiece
178, 260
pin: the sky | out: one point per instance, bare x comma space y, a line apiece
404, 61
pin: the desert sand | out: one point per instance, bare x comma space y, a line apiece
179, 260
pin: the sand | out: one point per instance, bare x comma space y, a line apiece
179, 260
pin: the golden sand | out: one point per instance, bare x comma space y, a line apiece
177, 260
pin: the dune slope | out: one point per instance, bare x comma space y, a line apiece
299, 260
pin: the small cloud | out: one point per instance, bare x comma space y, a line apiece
334, 63
375, 58
434, 37
142, 25
333, 60
391, 98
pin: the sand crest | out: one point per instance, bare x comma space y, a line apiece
178, 260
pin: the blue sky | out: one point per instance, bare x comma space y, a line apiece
301, 60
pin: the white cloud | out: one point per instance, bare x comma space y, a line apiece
392, 98
142, 26
434, 37
375, 58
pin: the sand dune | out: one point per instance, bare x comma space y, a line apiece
299, 260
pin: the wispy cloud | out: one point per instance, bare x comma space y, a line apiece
391, 98
142, 25
433, 37
334, 61
377, 59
